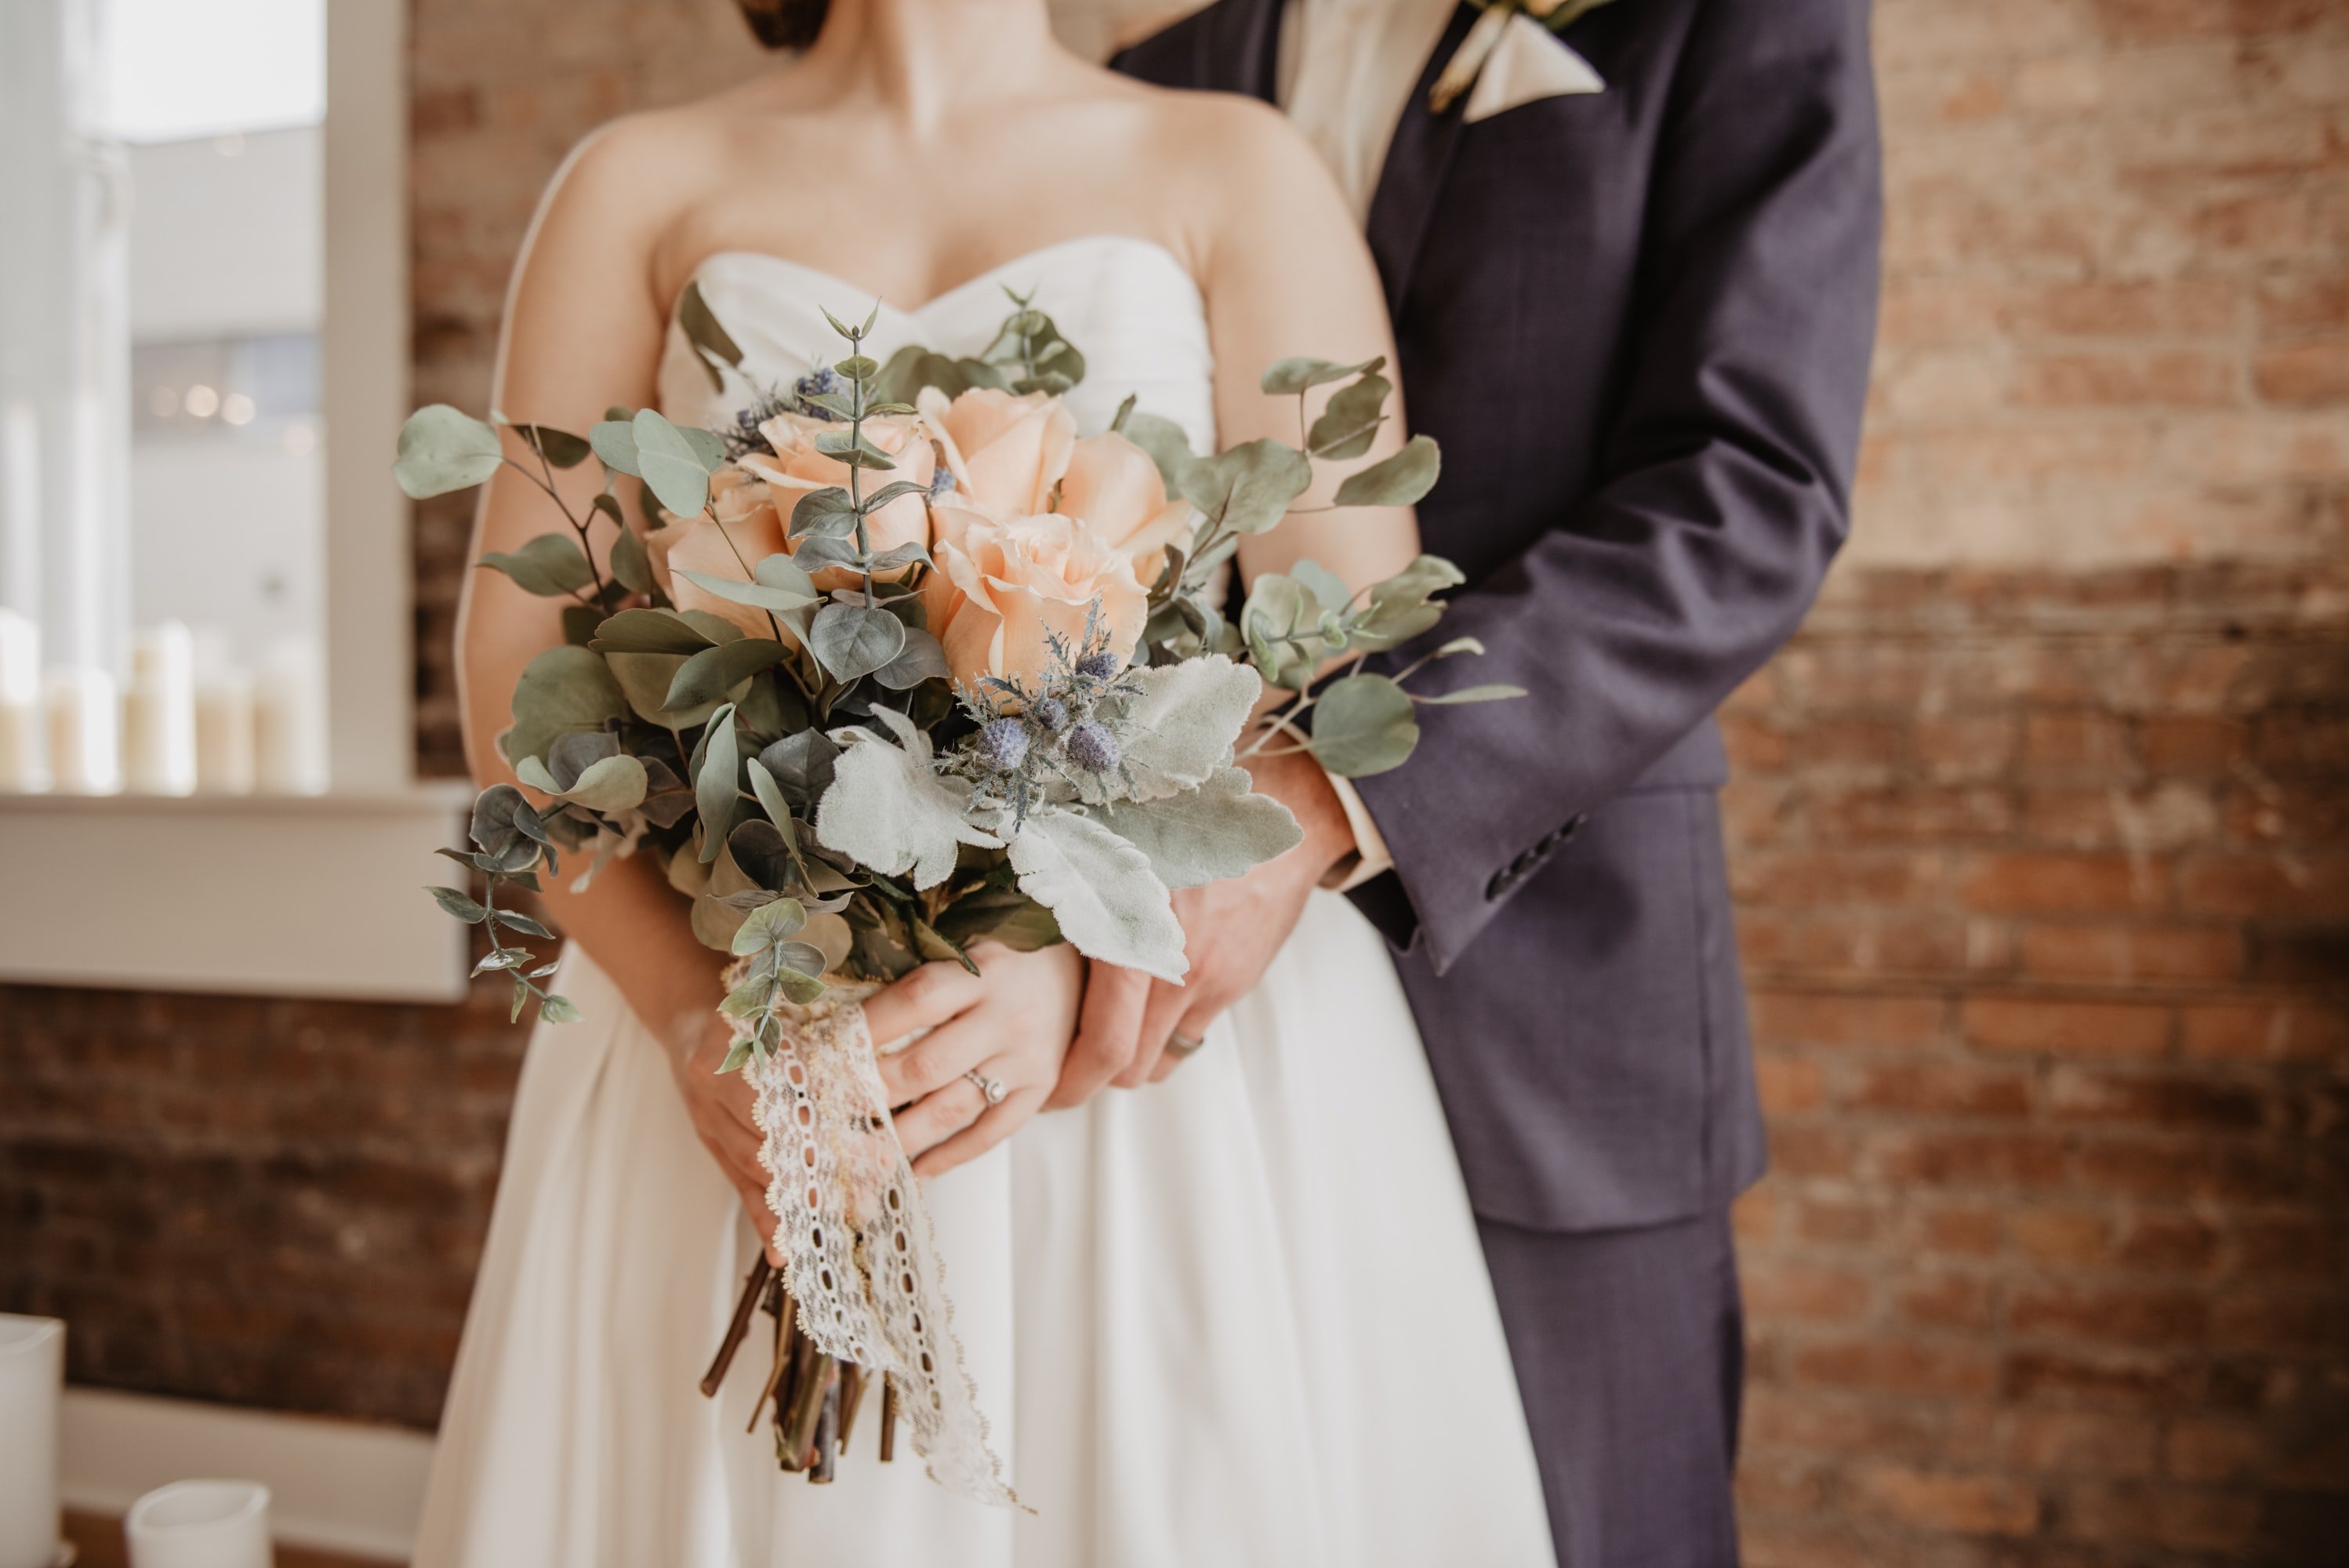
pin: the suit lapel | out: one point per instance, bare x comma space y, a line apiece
1417, 160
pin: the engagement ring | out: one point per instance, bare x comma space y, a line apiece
990, 1087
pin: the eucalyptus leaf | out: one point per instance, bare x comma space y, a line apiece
830, 513
770, 794
442, 449
1291, 376
762, 853
611, 786
852, 640
708, 446
768, 924
1249, 487
1400, 609
713, 672
710, 340
1351, 421
1217, 831
1473, 693
561, 449
458, 904
1363, 725
522, 922
615, 441
801, 765
558, 1008
1403, 479
652, 631
1101, 891
632, 568
549, 567
564, 689
645, 679
670, 463
924, 659
780, 601
716, 790
1328, 590
1168, 447
854, 449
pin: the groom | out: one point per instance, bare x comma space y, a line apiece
1631, 260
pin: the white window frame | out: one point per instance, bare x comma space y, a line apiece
281, 895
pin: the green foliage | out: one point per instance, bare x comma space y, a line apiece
1403, 479
712, 342
550, 566
563, 689
1363, 725
717, 788
442, 449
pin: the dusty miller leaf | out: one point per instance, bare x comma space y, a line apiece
1180, 728
1101, 892
1219, 829
888, 810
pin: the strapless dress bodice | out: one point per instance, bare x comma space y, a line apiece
1127, 304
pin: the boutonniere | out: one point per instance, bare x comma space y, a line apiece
1468, 61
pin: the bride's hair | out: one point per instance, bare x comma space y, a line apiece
785, 24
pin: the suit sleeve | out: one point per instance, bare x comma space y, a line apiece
1724, 481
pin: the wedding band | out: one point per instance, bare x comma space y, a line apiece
990, 1088
1182, 1044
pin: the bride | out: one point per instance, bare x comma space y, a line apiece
1236, 1317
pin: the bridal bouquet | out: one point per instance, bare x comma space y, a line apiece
899, 663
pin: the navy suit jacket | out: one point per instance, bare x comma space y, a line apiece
1639, 322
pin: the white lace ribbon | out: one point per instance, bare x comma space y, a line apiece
862, 1261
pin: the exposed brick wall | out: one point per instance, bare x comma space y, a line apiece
266, 1203
2043, 890
2115, 317
2042, 867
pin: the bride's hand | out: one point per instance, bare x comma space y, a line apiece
720, 1105
1011, 1022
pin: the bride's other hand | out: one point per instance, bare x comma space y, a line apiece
720, 1105
1011, 1022
1230, 931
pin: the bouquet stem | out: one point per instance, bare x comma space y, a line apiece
816, 1397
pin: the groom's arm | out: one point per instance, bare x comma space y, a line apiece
1725, 477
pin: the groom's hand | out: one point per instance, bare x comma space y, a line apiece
1231, 930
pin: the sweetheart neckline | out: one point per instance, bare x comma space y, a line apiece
992, 275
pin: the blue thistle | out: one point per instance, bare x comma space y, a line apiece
821, 383
941, 484
1093, 747
1100, 665
1003, 745
1050, 714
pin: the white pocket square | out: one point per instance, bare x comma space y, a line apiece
1529, 63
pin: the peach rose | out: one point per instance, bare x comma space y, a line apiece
746, 528
1006, 450
797, 468
1115, 487
1010, 584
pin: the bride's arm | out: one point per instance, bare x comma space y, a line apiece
1287, 274
582, 332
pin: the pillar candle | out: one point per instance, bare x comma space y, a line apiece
224, 740
159, 712
85, 731
31, 1381
200, 1524
24, 722
290, 721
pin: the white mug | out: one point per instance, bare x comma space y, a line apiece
200, 1524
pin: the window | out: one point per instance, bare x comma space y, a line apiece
203, 559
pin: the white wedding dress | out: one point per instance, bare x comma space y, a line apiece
1237, 1319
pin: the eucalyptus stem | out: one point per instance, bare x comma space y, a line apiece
856, 469
577, 527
